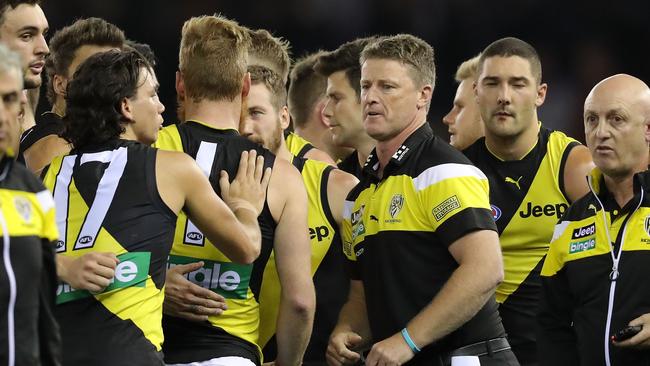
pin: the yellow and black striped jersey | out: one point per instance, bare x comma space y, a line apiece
29, 334
297, 145
527, 198
108, 201
397, 229
236, 331
584, 301
327, 267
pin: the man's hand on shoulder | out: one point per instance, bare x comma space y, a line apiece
248, 189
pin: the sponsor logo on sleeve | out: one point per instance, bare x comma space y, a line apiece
582, 246
358, 228
447, 206
584, 231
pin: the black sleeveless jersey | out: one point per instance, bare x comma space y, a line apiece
107, 201
235, 332
527, 198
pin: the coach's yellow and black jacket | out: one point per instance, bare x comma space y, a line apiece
29, 334
583, 300
397, 230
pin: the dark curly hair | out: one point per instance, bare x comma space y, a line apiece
94, 97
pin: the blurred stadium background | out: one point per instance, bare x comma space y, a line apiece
580, 42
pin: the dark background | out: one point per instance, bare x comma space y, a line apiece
580, 42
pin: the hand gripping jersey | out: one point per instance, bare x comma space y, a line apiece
327, 263
527, 198
584, 301
236, 331
107, 201
29, 334
297, 145
397, 230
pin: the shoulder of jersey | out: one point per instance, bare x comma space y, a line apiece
435, 151
20, 178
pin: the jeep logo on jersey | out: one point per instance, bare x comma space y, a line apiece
229, 280
647, 225
396, 204
319, 232
194, 236
496, 212
85, 239
581, 232
557, 210
582, 246
132, 271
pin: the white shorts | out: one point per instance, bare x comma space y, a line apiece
219, 361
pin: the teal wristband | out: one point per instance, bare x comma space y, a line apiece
409, 341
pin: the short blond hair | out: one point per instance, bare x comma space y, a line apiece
409, 50
468, 69
213, 57
270, 52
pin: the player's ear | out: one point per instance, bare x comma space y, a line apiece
180, 85
246, 85
126, 109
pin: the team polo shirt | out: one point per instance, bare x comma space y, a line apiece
28, 330
397, 230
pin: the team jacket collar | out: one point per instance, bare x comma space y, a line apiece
597, 183
401, 154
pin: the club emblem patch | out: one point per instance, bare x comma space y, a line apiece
396, 204
24, 208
